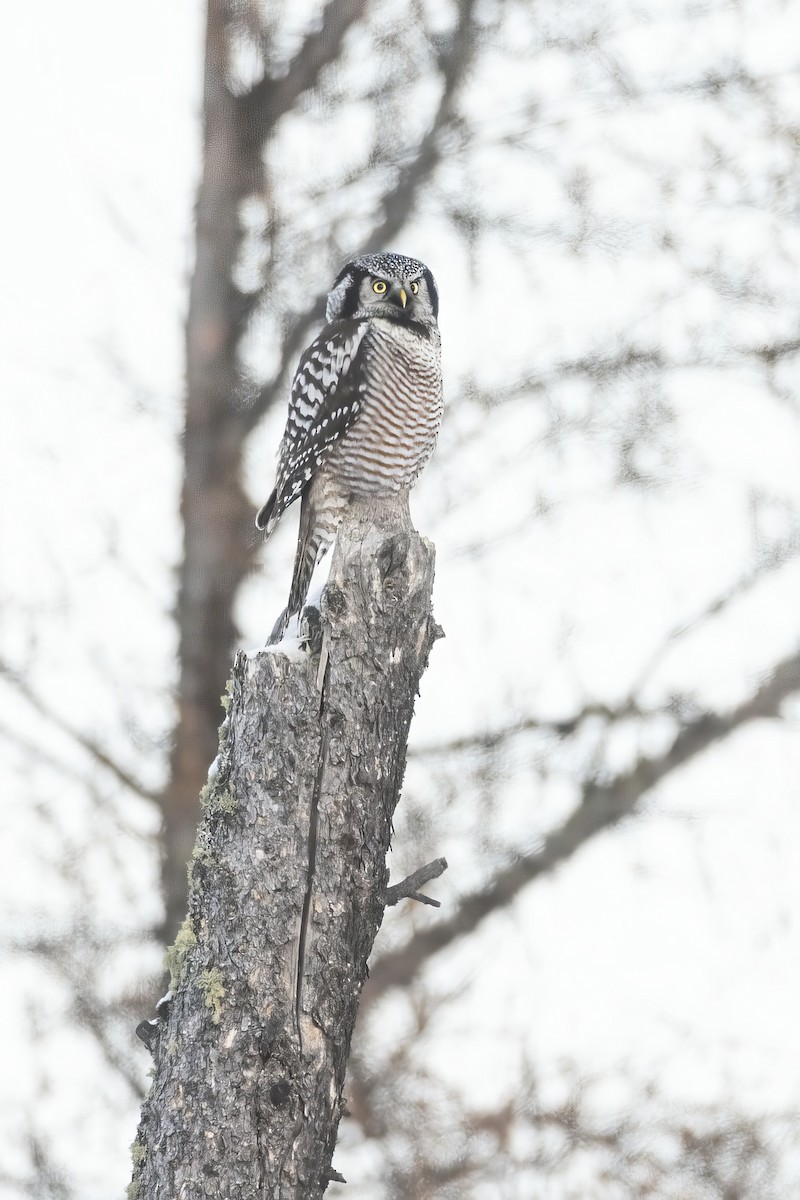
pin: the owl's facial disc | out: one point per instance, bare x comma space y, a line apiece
392, 292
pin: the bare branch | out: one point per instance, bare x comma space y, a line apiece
92, 1013
97, 1022
95, 751
493, 738
603, 805
631, 360
778, 554
770, 353
455, 63
408, 888
269, 99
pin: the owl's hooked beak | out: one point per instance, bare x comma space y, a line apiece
399, 295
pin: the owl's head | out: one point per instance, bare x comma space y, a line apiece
385, 285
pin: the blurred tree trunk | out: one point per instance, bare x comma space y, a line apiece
214, 510
289, 884
217, 516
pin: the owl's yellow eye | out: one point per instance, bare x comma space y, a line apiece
415, 288
379, 286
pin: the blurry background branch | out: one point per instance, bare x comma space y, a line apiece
81, 739
602, 806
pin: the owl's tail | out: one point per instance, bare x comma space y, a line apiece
309, 540
267, 516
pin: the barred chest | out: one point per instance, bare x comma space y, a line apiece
391, 442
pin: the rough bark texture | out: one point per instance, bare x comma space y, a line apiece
288, 887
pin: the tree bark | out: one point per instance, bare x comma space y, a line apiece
288, 886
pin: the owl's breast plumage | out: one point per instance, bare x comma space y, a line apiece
395, 434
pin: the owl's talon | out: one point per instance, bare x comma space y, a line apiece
310, 630
278, 630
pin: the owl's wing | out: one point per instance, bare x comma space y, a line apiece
326, 398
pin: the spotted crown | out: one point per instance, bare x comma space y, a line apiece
387, 264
